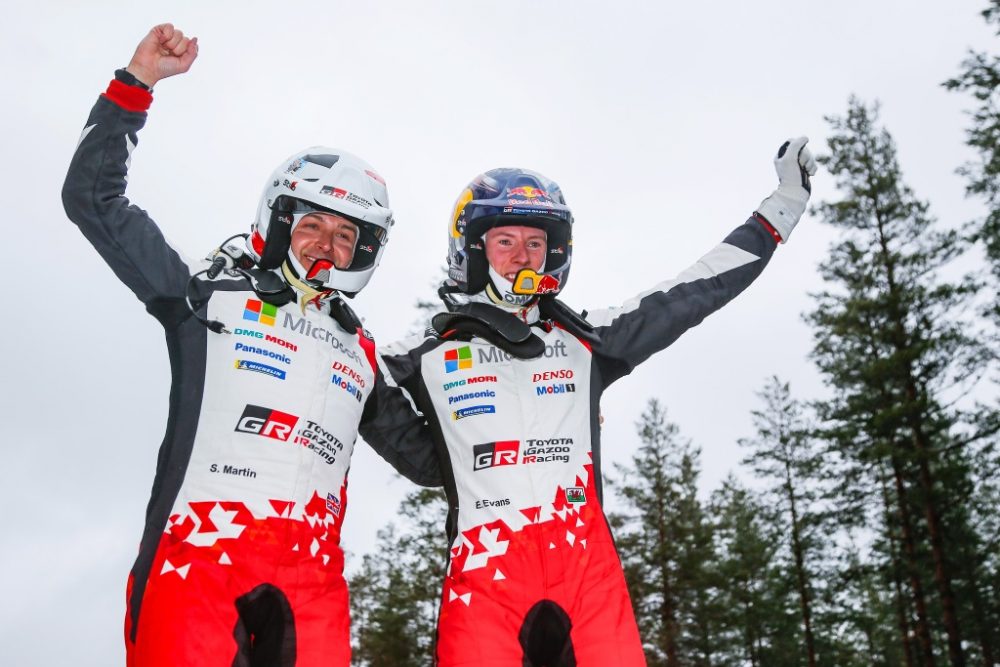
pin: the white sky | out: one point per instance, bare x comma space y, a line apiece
659, 121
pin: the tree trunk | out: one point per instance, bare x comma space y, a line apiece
922, 448
800, 570
902, 609
942, 576
668, 613
916, 586
748, 635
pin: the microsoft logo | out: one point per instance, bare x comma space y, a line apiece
257, 311
459, 359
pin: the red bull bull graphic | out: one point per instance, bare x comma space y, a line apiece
532, 282
528, 192
526, 195
547, 285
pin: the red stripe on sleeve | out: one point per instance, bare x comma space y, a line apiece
767, 225
130, 98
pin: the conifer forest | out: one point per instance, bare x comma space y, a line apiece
861, 529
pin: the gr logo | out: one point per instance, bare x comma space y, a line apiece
492, 454
266, 422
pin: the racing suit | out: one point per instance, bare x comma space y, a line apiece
533, 575
239, 562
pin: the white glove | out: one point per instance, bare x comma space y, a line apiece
794, 164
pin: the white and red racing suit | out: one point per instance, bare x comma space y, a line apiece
240, 562
533, 577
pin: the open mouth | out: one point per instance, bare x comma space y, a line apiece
312, 259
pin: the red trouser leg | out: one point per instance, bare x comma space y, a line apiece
275, 589
569, 562
187, 617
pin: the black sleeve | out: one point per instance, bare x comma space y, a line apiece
652, 320
397, 430
94, 198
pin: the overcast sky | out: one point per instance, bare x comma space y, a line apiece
659, 121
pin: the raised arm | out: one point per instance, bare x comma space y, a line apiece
654, 319
94, 191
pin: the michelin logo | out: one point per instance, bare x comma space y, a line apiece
246, 365
473, 411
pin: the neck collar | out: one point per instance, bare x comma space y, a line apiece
307, 294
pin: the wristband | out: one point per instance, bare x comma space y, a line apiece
768, 226
134, 97
129, 79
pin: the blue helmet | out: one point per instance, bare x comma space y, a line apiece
502, 197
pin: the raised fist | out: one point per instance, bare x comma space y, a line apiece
794, 164
164, 52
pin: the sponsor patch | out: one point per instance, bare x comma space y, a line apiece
479, 379
489, 393
494, 355
492, 454
473, 411
247, 365
339, 193
303, 326
264, 352
258, 311
266, 422
459, 359
548, 376
320, 441
548, 450
347, 385
550, 389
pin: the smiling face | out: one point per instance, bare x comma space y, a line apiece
324, 236
510, 249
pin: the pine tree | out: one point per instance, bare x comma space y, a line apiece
980, 76
751, 607
869, 506
395, 595
891, 341
666, 545
784, 456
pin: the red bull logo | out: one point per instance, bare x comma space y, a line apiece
547, 285
531, 282
529, 193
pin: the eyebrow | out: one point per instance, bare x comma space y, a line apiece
501, 232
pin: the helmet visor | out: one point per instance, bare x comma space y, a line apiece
334, 240
300, 207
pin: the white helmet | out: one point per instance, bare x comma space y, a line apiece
326, 180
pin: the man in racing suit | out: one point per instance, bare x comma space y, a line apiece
240, 562
510, 381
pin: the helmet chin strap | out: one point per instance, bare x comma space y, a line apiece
501, 293
307, 293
